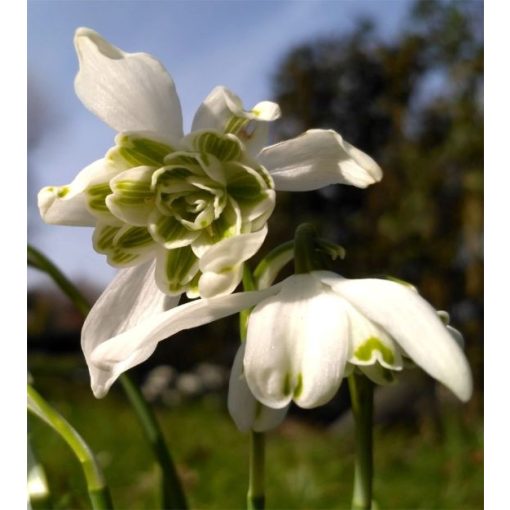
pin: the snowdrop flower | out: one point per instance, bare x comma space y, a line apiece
195, 204
302, 334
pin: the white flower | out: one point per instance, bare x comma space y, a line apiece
196, 204
302, 335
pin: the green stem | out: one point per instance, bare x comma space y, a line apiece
173, 496
362, 399
244, 315
256, 492
304, 249
172, 492
38, 261
97, 488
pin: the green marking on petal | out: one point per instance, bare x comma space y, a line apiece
225, 148
364, 351
97, 195
286, 385
139, 151
235, 124
131, 192
133, 238
120, 258
181, 266
63, 191
104, 238
299, 386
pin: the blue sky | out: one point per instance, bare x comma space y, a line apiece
201, 43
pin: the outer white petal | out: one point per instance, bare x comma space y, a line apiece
246, 411
413, 324
132, 346
128, 91
316, 159
67, 205
222, 105
130, 298
297, 345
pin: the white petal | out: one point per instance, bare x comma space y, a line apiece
245, 410
297, 345
130, 298
67, 205
128, 91
316, 159
215, 284
132, 346
413, 324
232, 251
221, 107
222, 263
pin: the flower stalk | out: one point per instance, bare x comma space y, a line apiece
256, 489
304, 249
362, 392
172, 493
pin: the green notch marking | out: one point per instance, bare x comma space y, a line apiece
286, 385
63, 191
364, 351
299, 386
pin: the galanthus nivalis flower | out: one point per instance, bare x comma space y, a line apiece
197, 204
302, 334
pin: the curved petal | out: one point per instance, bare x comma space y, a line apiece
215, 284
222, 263
130, 298
133, 346
222, 110
316, 159
232, 251
68, 205
413, 324
297, 345
245, 410
128, 91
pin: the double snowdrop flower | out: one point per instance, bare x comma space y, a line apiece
195, 204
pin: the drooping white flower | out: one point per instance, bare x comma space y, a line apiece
302, 335
196, 204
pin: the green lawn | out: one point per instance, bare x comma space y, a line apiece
307, 467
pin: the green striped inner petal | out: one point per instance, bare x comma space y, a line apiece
169, 232
176, 269
133, 238
123, 246
103, 237
96, 196
135, 150
224, 147
235, 124
243, 182
130, 192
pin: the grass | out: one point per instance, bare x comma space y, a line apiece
307, 467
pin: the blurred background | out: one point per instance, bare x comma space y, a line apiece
401, 80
